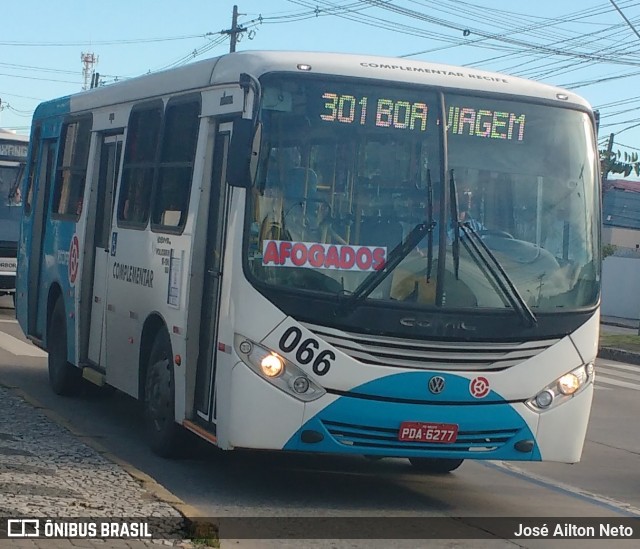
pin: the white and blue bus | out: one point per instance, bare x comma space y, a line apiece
322, 253
13, 157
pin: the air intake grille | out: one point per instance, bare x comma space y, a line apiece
427, 354
358, 436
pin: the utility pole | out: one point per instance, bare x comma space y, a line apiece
605, 172
235, 30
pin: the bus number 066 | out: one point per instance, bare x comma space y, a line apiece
306, 350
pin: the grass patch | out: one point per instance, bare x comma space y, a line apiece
626, 342
204, 533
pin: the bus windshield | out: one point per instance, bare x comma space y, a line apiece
350, 172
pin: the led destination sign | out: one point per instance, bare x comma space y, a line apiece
386, 113
486, 123
13, 151
409, 115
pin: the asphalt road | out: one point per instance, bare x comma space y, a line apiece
605, 484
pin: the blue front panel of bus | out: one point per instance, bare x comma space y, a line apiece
488, 428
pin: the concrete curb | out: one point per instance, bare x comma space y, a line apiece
620, 355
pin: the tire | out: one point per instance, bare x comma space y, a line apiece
163, 433
65, 379
435, 465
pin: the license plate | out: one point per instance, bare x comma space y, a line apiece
414, 431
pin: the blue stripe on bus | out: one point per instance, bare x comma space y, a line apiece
487, 430
53, 108
414, 386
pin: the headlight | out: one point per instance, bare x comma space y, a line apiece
568, 384
272, 365
277, 370
544, 399
562, 389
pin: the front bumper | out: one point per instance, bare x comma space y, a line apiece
361, 426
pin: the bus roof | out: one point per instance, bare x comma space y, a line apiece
227, 69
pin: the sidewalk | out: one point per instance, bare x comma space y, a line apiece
46, 471
625, 350
630, 323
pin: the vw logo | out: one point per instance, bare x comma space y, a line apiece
436, 384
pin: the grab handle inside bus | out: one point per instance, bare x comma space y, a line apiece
243, 153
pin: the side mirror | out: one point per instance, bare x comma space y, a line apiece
242, 161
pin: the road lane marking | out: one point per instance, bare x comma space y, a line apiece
556, 486
617, 383
8, 320
19, 348
616, 373
617, 366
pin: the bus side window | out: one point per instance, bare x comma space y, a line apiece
175, 170
139, 164
136, 203
72, 168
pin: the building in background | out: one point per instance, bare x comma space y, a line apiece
621, 213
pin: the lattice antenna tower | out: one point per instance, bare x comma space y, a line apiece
89, 60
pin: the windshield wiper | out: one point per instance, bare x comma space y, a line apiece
491, 263
486, 256
395, 257
455, 245
432, 224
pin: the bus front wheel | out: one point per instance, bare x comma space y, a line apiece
64, 378
435, 465
159, 399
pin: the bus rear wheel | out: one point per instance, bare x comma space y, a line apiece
435, 465
65, 379
163, 433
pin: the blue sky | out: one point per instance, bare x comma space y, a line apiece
586, 45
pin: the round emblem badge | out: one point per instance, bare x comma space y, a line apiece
436, 385
479, 387
74, 259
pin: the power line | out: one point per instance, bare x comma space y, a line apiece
625, 18
84, 43
540, 47
628, 146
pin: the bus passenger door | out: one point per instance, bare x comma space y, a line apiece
46, 174
206, 369
110, 153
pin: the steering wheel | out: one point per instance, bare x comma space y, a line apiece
273, 230
497, 233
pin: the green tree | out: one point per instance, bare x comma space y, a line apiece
608, 249
619, 163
